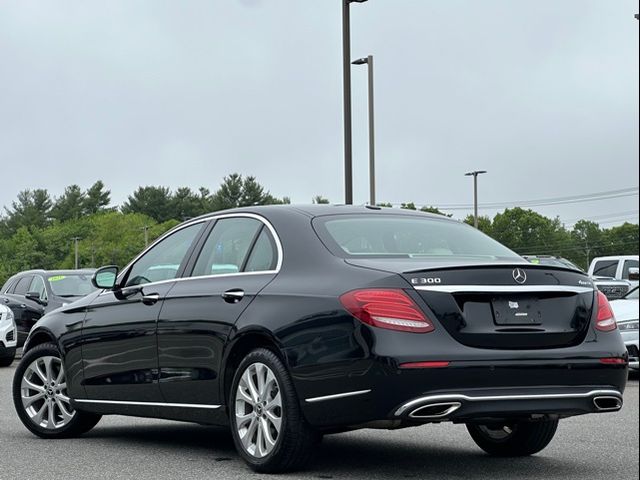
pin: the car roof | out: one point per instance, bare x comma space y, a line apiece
617, 257
57, 272
318, 210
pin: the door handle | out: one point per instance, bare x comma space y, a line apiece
233, 296
151, 298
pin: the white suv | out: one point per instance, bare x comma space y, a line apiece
8, 336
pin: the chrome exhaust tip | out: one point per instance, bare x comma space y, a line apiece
607, 403
435, 411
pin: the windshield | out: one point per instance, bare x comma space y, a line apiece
553, 262
71, 285
632, 295
379, 235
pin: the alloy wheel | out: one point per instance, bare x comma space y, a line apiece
258, 410
44, 393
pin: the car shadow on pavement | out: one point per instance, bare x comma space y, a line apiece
354, 456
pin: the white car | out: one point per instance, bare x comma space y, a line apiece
8, 336
626, 313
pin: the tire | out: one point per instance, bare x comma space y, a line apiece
36, 376
256, 422
514, 440
8, 359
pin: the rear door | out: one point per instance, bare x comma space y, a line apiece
237, 259
26, 312
119, 348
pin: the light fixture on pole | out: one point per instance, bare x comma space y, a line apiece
346, 72
372, 147
475, 174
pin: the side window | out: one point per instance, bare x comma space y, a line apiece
605, 268
163, 261
263, 257
627, 265
22, 287
226, 248
37, 285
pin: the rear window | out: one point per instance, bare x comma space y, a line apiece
605, 268
406, 237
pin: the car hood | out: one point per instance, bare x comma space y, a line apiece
625, 309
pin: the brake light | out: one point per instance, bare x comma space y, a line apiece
605, 321
391, 309
436, 364
613, 361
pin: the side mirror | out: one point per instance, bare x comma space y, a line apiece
634, 274
105, 277
35, 296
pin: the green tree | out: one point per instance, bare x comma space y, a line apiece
528, 232
236, 191
435, 210
186, 204
70, 205
32, 209
154, 202
485, 225
320, 200
96, 198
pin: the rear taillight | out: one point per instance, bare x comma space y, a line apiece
606, 321
392, 309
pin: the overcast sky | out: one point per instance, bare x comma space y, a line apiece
542, 94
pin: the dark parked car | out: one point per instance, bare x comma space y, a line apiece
33, 293
287, 323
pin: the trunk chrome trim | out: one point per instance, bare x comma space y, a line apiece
147, 404
504, 288
498, 398
336, 396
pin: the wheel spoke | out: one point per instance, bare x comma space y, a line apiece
276, 401
266, 433
260, 375
248, 380
48, 368
27, 384
249, 433
66, 415
275, 421
39, 372
37, 418
27, 401
51, 420
261, 450
242, 420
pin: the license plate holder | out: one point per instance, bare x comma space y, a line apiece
516, 311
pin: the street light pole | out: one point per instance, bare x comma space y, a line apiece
372, 143
475, 174
75, 240
346, 72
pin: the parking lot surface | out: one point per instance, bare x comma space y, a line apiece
603, 446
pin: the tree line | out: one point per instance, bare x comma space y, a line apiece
38, 230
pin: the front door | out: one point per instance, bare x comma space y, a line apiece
237, 260
119, 346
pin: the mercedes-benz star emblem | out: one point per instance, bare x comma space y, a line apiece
520, 276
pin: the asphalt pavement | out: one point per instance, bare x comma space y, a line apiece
603, 446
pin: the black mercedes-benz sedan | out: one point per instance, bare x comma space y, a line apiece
286, 323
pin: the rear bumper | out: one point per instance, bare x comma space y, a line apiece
518, 403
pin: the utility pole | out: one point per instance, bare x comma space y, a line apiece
475, 174
75, 241
346, 80
146, 235
372, 143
